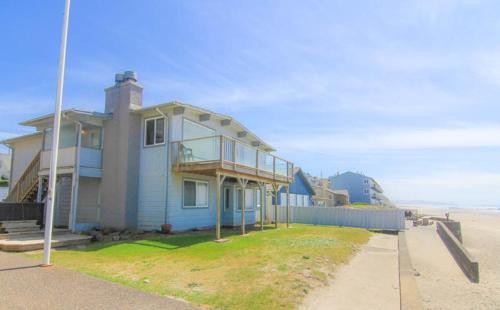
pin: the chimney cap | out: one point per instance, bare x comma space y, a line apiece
130, 75
119, 77
125, 76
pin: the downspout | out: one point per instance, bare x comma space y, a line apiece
167, 143
76, 176
11, 166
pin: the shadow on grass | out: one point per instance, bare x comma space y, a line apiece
171, 242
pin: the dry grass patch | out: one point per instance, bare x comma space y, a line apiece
273, 269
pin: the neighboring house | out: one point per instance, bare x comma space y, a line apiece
4, 166
341, 197
4, 175
300, 192
361, 188
326, 197
135, 167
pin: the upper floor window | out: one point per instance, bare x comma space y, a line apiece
91, 137
154, 132
367, 191
67, 137
365, 181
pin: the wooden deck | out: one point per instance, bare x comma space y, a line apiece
230, 157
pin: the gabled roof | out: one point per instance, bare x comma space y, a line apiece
298, 170
173, 104
69, 112
344, 192
18, 138
35, 122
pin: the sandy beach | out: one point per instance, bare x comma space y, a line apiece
441, 283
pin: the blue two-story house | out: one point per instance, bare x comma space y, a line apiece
361, 188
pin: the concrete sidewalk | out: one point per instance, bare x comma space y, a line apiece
369, 281
24, 285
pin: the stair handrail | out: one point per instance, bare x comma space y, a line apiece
28, 179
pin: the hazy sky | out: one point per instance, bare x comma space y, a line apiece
404, 91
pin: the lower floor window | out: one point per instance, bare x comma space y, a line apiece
249, 199
195, 194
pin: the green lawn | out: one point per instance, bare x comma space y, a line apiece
362, 205
273, 269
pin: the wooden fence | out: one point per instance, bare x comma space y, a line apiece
388, 219
22, 211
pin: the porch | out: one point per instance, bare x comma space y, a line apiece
226, 158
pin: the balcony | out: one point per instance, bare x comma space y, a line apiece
90, 160
377, 187
230, 156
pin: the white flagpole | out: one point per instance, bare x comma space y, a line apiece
49, 214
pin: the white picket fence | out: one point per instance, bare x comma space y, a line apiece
389, 219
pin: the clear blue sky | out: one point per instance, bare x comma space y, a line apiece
405, 91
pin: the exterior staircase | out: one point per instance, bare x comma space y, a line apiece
21, 236
26, 188
7, 227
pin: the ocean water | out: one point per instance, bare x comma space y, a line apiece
450, 206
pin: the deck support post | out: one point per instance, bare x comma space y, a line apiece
275, 188
218, 180
287, 206
217, 206
243, 184
262, 188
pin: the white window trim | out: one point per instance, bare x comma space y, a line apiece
154, 131
196, 187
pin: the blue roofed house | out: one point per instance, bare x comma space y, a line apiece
135, 167
301, 191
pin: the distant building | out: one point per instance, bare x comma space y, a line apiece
326, 197
301, 191
341, 197
361, 188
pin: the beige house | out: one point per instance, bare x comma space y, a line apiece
326, 197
